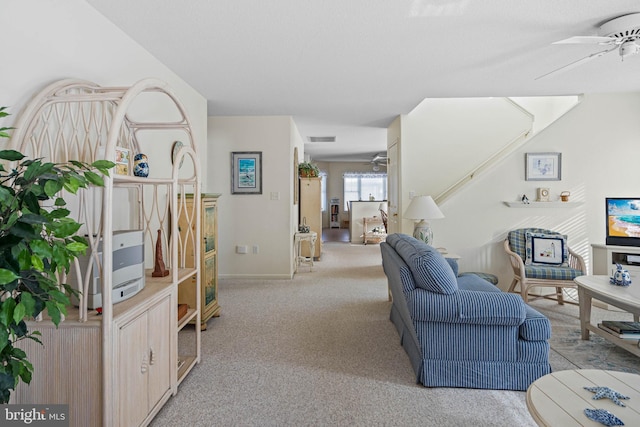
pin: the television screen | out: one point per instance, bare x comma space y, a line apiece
623, 221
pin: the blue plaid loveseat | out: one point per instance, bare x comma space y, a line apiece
461, 331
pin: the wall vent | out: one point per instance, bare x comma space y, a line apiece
322, 139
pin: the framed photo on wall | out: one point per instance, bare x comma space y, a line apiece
246, 172
543, 167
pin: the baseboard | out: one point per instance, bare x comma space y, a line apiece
255, 276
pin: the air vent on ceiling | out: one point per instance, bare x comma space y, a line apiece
322, 139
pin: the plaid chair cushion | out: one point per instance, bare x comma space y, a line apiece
551, 273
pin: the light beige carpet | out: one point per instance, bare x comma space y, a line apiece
319, 350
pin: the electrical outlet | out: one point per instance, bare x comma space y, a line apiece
242, 249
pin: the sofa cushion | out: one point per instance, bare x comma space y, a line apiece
393, 239
429, 268
453, 263
471, 282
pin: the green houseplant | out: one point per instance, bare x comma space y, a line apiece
36, 244
307, 169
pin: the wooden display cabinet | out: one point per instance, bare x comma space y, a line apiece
209, 259
120, 366
311, 212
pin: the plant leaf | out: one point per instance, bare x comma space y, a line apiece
94, 178
103, 164
51, 187
11, 155
77, 247
53, 311
6, 311
29, 304
19, 312
37, 263
7, 276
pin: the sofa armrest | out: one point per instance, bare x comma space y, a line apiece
473, 307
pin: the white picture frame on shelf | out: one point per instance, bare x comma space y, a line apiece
122, 161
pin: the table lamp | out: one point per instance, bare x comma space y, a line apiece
423, 208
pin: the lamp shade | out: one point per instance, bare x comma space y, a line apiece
383, 206
423, 207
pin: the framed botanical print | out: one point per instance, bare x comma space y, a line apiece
246, 172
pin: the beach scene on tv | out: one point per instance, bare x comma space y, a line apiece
624, 217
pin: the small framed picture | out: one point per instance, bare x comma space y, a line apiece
246, 172
543, 167
122, 161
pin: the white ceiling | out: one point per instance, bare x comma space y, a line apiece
346, 68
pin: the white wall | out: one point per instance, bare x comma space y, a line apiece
255, 219
335, 183
598, 140
49, 40
454, 136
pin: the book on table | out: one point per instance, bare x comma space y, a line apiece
622, 327
624, 335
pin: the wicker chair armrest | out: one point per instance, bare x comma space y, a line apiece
576, 261
516, 261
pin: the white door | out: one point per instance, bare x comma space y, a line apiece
392, 190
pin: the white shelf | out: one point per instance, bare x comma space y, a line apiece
543, 204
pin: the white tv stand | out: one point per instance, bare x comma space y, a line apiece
605, 258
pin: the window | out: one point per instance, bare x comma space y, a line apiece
362, 186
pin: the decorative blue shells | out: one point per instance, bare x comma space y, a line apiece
603, 417
140, 165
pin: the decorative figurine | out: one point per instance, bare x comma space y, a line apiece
620, 277
141, 165
159, 270
525, 199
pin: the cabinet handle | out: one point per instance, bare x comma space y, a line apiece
144, 366
151, 358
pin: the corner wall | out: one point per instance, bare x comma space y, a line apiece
264, 220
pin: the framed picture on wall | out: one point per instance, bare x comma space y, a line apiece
246, 172
543, 167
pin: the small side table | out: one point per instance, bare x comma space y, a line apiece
298, 238
370, 236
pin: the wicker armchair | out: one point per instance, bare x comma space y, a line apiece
535, 275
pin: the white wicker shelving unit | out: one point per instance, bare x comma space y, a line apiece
120, 367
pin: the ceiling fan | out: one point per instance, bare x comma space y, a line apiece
379, 160
621, 34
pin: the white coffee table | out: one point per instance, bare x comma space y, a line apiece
625, 297
559, 399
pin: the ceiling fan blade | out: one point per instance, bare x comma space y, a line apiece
578, 62
587, 40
